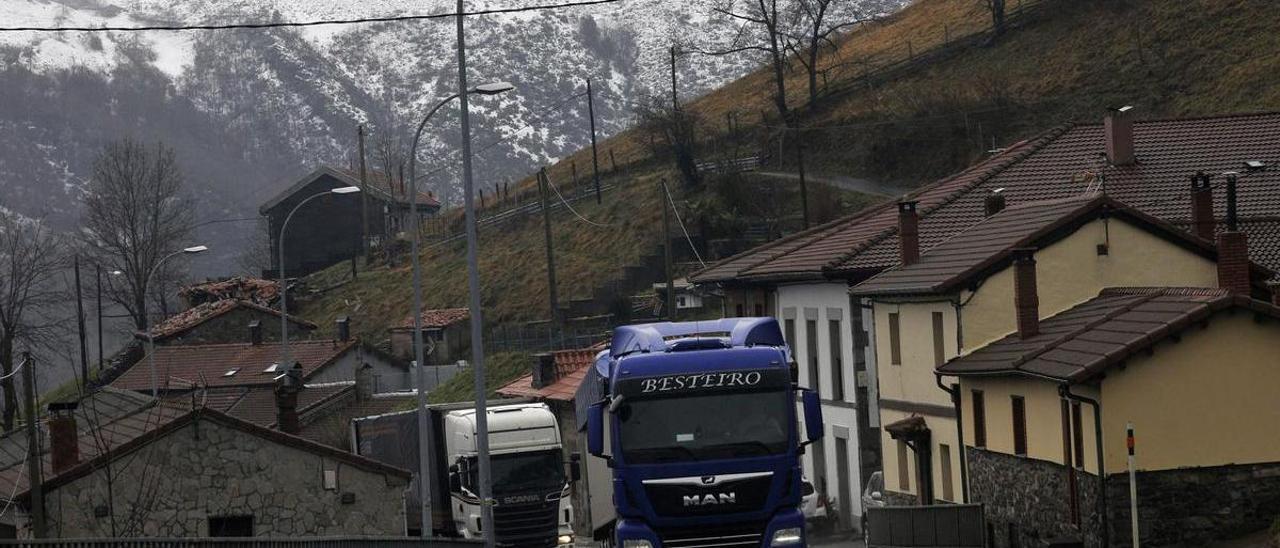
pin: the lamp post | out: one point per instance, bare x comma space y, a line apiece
151, 338
493, 88
284, 296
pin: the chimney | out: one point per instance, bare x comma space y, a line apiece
255, 332
1202, 206
544, 370
993, 203
1025, 299
63, 440
344, 328
1119, 127
1233, 249
909, 232
365, 382
286, 390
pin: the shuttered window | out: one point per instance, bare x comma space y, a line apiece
811, 351
1019, 425
895, 343
979, 419
939, 344
835, 339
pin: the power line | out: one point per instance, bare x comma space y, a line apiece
575, 212
281, 24
680, 222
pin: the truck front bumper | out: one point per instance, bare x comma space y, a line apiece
784, 530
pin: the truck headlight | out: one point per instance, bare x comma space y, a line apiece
786, 537
564, 539
636, 543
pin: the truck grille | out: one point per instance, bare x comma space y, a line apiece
532, 525
742, 535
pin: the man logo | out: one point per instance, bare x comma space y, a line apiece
710, 499
708, 480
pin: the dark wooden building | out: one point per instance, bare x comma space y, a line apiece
328, 230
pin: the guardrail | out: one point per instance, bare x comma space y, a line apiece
249, 542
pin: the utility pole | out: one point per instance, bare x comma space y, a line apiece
595, 161
666, 252
473, 289
97, 274
364, 201
84, 348
551, 257
33, 449
675, 103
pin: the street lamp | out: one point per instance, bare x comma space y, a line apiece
98, 278
492, 88
151, 332
284, 296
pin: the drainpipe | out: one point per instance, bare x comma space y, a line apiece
1065, 391
964, 459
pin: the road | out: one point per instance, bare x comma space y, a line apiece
865, 186
848, 540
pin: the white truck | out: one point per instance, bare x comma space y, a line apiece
528, 464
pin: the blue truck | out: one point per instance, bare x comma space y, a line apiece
694, 432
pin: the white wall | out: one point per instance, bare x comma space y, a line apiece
824, 302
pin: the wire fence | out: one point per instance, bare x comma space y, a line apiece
544, 337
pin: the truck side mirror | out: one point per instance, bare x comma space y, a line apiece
812, 415
575, 467
595, 429
455, 481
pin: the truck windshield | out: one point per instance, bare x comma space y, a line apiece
523, 471
712, 426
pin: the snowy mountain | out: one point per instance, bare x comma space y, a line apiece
250, 110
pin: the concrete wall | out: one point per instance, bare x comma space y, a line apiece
1070, 271
172, 487
388, 377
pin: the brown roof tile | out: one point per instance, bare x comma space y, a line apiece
192, 317
571, 368
183, 367
1077, 344
436, 318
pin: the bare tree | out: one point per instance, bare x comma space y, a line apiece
30, 256
672, 132
255, 253
820, 21
774, 27
135, 216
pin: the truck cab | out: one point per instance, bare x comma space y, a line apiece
530, 488
698, 422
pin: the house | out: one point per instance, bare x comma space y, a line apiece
1190, 372
554, 380
688, 297
446, 336
329, 230
1145, 164
119, 464
957, 297
185, 368
225, 321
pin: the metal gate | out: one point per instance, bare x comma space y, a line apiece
949, 525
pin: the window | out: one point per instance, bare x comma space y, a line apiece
680, 301
904, 468
231, 526
789, 331
859, 339
944, 454
811, 346
837, 365
1019, 425
979, 419
939, 346
1077, 434
895, 345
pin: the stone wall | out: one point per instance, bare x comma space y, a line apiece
1027, 500
233, 327
204, 469
1192, 506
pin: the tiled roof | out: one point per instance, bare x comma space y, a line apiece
192, 317
1051, 166
571, 368
257, 404
435, 318
989, 244
1077, 344
183, 367
256, 290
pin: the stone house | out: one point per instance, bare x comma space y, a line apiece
225, 321
445, 332
807, 277
554, 380
329, 230
156, 469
